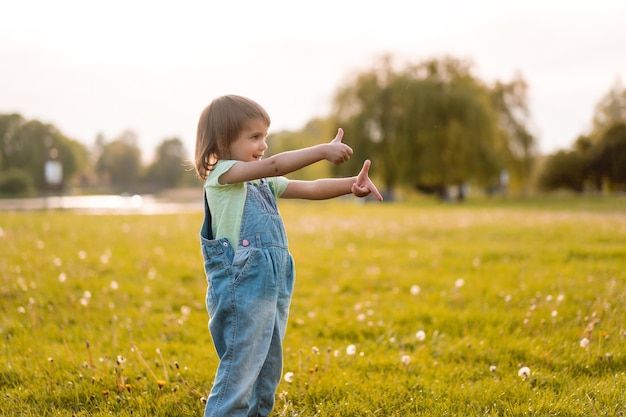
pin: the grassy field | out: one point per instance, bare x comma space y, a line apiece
491, 308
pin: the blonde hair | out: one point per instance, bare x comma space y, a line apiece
219, 125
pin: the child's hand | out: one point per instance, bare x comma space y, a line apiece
336, 151
363, 185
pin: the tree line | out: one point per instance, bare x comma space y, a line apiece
431, 126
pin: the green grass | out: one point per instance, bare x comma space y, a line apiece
105, 315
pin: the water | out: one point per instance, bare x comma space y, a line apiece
102, 204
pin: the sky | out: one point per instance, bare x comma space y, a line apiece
94, 68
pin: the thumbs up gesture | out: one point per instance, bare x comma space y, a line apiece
337, 152
363, 185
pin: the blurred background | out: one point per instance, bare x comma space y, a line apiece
448, 98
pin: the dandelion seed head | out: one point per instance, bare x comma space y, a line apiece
114, 285
288, 377
524, 372
57, 262
62, 277
82, 254
420, 335
120, 359
492, 368
351, 350
415, 289
549, 297
459, 283
21, 310
560, 298
508, 298
406, 359
584, 342
84, 301
315, 350
185, 310
360, 317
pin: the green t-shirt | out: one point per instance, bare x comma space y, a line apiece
226, 201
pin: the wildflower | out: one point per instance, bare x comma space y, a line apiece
288, 377
560, 298
185, 310
584, 342
554, 313
82, 254
415, 289
315, 350
161, 383
420, 335
62, 277
114, 285
524, 372
492, 368
21, 310
406, 359
459, 283
120, 359
351, 350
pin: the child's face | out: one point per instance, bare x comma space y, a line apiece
250, 144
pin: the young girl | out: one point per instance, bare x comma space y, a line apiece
249, 269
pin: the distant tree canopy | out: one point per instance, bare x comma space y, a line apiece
434, 124
168, 169
26, 146
597, 160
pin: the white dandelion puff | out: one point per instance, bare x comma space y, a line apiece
459, 283
114, 285
584, 342
415, 289
406, 360
288, 377
420, 335
351, 350
524, 372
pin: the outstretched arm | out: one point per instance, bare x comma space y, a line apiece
322, 189
285, 162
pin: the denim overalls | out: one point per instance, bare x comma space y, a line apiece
248, 296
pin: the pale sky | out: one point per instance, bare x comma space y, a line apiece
152, 66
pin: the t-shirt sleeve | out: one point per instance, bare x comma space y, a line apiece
278, 185
220, 168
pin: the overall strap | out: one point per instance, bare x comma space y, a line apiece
206, 231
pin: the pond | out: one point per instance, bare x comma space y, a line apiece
103, 204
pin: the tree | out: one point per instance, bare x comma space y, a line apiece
434, 124
609, 111
563, 170
169, 167
120, 161
28, 144
608, 156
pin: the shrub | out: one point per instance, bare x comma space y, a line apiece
15, 182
